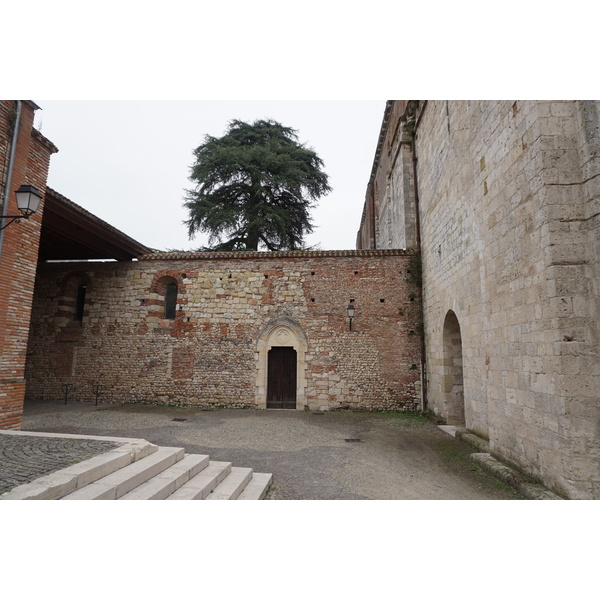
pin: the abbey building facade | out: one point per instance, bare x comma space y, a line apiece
502, 199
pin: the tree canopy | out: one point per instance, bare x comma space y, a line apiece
254, 186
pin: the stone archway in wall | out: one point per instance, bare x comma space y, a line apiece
281, 343
452, 378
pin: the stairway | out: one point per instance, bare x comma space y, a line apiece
139, 470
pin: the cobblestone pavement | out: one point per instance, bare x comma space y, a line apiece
24, 458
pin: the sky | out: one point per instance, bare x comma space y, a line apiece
128, 162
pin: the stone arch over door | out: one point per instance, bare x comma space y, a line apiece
452, 378
281, 332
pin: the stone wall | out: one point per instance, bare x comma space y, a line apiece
389, 211
509, 196
19, 244
231, 308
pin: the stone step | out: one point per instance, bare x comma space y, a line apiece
233, 485
124, 480
200, 486
140, 470
163, 484
257, 487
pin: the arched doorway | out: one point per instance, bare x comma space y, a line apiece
452, 379
281, 379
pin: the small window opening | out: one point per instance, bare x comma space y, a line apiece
312, 272
356, 272
80, 302
382, 300
312, 299
170, 301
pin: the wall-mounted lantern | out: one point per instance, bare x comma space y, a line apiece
351, 310
28, 201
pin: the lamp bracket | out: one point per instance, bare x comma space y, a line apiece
12, 218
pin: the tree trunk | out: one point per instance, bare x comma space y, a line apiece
253, 233
252, 241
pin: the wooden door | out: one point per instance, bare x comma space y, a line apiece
281, 385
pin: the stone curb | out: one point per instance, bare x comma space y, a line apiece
475, 441
526, 487
58, 484
68, 436
529, 489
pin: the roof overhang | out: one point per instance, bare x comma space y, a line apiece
69, 232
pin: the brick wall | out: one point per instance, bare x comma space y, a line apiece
230, 308
18, 259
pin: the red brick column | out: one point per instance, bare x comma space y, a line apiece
18, 259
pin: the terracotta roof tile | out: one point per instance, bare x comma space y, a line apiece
268, 255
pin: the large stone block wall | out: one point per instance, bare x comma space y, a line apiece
231, 307
509, 196
388, 219
394, 185
18, 253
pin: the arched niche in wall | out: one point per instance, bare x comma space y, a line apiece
71, 299
275, 337
452, 378
168, 291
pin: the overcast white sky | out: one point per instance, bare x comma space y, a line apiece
128, 161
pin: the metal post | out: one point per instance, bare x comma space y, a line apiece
97, 392
66, 389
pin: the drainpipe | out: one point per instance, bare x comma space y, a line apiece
11, 161
418, 244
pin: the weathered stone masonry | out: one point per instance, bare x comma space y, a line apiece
509, 205
231, 308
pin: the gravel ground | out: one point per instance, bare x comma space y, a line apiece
388, 456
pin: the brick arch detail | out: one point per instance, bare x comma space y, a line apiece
67, 296
158, 289
161, 280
